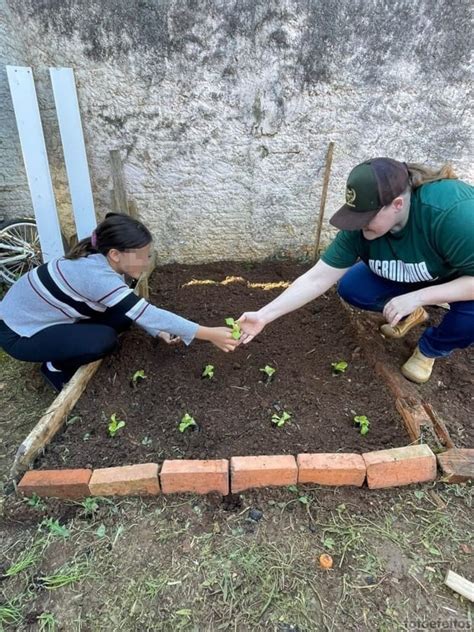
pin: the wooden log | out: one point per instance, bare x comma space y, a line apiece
54, 418
417, 423
460, 585
439, 426
457, 465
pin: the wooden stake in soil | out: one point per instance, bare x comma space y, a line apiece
324, 193
120, 204
459, 584
53, 419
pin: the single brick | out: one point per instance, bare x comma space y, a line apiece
400, 466
457, 465
126, 480
71, 484
200, 477
262, 471
331, 469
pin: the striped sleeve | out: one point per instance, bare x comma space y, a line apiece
153, 319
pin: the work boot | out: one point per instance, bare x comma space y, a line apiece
415, 318
418, 367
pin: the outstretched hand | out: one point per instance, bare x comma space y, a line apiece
251, 324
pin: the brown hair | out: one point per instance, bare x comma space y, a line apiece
117, 231
422, 174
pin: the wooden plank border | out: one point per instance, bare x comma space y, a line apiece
53, 419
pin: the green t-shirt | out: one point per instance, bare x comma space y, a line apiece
437, 243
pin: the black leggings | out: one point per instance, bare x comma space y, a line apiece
67, 346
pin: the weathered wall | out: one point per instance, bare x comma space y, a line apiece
224, 109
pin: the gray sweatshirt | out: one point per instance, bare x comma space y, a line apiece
64, 291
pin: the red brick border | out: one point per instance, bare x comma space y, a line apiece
73, 484
331, 469
200, 477
400, 466
382, 468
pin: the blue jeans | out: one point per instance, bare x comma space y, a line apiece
364, 289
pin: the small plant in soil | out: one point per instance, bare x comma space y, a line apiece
89, 506
208, 371
269, 372
187, 422
236, 332
363, 423
146, 441
55, 528
137, 377
35, 501
280, 420
115, 425
339, 367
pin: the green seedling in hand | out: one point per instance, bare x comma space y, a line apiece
363, 423
236, 332
208, 371
339, 367
280, 420
137, 377
115, 425
186, 422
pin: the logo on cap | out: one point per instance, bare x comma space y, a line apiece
350, 196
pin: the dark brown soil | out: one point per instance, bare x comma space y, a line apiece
234, 409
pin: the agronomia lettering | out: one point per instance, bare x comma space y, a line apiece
401, 271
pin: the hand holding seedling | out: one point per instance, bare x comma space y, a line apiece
251, 324
235, 327
221, 337
170, 339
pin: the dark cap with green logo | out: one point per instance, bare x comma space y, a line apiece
370, 186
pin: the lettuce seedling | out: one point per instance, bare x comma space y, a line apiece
186, 422
269, 372
280, 420
339, 367
137, 376
208, 371
236, 332
363, 423
115, 425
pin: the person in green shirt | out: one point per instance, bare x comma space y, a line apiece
406, 240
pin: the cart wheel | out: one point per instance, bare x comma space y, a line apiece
20, 249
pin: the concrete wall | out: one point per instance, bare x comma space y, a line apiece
223, 109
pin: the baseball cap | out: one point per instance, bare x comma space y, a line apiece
370, 186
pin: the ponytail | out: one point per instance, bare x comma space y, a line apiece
118, 231
83, 248
422, 174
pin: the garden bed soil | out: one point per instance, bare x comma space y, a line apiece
233, 409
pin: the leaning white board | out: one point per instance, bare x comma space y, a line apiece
70, 127
33, 148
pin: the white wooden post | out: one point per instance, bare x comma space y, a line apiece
33, 148
70, 127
